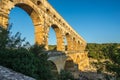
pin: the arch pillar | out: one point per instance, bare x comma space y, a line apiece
46, 28
39, 30
39, 34
60, 43
60, 40
83, 46
69, 42
4, 20
59, 61
5, 7
74, 45
78, 46
4, 17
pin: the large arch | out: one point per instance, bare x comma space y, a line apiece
37, 21
24, 26
33, 12
59, 37
52, 41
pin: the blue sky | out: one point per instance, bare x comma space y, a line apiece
97, 21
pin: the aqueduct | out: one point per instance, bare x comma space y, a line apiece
45, 16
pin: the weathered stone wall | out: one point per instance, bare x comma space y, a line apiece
7, 74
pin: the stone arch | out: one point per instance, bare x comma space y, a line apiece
59, 37
38, 2
32, 11
37, 21
69, 64
24, 26
59, 61
53, 67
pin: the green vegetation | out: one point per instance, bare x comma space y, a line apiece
26, 59
52, 47
32, 60
65, 75
109, 52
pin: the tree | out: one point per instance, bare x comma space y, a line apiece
32, 62
3, 38
44, 68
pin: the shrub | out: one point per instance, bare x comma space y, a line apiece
66, 75
31, 62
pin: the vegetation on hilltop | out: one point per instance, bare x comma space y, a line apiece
110, 53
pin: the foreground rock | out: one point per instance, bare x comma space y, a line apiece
7, 74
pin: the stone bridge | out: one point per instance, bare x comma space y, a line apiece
45, 16
79, 59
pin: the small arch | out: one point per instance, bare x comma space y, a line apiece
67, 34
63, 24
78, 42
47, 10
39, 3
73, 38
69, 64
54, 16
59, 20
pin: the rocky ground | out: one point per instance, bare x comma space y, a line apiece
7, 74
92, 73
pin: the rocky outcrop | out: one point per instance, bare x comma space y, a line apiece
8, 74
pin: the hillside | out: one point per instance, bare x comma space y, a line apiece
104, 61
105, 58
